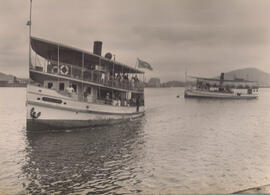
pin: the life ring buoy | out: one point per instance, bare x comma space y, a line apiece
55, 70
64, 69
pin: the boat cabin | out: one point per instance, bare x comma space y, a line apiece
85, 76
236, 86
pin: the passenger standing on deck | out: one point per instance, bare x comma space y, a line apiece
70, 89
136, 81
138, 103
107, 100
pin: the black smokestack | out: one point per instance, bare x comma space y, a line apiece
222, 76
221, 88
97, 48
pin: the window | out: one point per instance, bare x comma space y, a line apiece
61, 86
50, 85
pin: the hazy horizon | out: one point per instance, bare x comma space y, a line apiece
206, 37
162, 81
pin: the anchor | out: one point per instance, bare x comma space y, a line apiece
33, 114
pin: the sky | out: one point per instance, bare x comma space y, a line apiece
204, 37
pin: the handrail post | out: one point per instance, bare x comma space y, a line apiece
82, 75
58, 64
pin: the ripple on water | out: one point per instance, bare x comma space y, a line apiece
180, 146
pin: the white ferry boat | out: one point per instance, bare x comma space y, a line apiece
221, 88
72, 88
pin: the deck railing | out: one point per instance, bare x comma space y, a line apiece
94, 76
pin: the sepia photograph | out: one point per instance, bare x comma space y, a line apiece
131, 97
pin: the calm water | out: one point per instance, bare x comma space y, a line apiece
180, 146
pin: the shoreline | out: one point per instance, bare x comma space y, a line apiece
264, 189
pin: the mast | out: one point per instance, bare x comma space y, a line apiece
29, 23
185, 77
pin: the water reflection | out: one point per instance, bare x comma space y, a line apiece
99, 160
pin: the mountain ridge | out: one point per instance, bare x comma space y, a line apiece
5, 77
250, 73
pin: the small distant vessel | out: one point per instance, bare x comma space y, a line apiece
72, 88
221, 88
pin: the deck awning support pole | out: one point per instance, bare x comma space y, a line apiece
58, 64
82, 74
58, 61
113, 63
113, 69
35, 59
99, 75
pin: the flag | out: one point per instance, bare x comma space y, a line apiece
144, 64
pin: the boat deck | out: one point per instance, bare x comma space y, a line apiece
208, 94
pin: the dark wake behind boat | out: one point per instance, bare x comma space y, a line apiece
72, 88
221, 88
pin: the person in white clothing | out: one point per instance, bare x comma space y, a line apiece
70, 89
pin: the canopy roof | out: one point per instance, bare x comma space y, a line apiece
74, 56
213, 79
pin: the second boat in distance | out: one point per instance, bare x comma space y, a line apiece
221, 88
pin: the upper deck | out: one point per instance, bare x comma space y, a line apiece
237, 83
71, 63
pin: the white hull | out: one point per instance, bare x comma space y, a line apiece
208, 94
66, 113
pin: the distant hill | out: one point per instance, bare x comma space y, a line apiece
173, 84
5, 77
252, 74
12, 81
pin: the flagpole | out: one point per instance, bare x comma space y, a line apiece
30, 31
185, 77
185, 74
